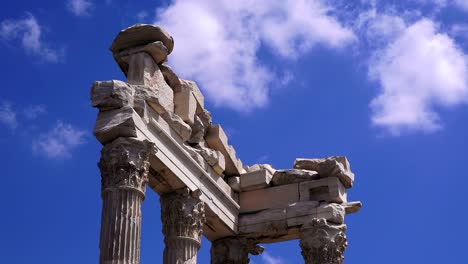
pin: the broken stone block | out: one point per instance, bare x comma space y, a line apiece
159, 98
185, 105
193, 87
213, 157
217, 139
277, 222
254, 180
329, 167
272, 222
352, 207
110, 95
144, 72
178, 125
141, 34
198, 131
302, 212
142, 109
116, 123
234, 183
327, 189
205, 117
257, 167
156, 50
282, 177
196, 156
273, 197
170, 77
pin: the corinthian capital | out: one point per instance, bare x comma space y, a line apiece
124, 164
183, 215
234, 250
322, 243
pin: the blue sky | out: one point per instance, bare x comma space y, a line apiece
383, 82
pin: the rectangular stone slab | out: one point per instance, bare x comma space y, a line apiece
277, 222
217, 140
116, 123
255, 180
327, 189
300, 213
334, 166
273, 197
271, 222
111, 95
185, 105
193, 87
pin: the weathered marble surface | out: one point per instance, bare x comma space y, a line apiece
233, 250
183, 216
323, 243
337, 166
204, 187
124, 168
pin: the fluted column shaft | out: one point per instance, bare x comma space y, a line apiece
124, 168
183, 216
233, 250
323, 243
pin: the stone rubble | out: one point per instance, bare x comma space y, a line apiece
331, 166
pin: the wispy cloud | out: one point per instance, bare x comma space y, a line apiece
142, 15
419, 69
59, 142
463, 4
33, 111
29, 32
269, 259
80, 7
459, 30
7, 115
225, 37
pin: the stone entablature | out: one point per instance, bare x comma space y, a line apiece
157, 132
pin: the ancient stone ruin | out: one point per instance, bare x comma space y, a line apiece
156, 132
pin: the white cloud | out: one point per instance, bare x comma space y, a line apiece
59, 142
8, 116
269, 259
80, 7
381, 28
216, 43
419, 71
33, 111
29, 32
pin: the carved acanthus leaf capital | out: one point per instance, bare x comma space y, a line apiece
322, 243
234, 250
183, 215
125, 164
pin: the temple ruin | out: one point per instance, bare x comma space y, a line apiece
156, 132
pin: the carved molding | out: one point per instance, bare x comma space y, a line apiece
322, 243
125, 164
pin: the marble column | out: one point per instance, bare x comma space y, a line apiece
323, 243
124, 169
233, 250
183, 216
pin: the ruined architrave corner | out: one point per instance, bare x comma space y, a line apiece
157, 133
